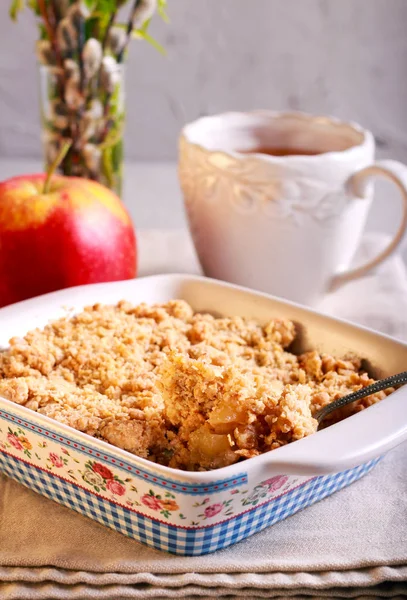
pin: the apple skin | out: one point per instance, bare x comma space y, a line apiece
77, 233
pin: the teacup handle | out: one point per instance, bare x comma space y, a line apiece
397, 173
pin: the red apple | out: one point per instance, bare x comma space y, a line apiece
76, 232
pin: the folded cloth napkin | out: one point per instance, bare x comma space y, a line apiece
350, 545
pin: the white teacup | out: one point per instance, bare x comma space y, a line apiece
287, 225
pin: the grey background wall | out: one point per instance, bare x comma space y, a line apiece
343, 57
346, 57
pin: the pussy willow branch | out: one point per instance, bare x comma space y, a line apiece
109, 25
52, 16
50, 30
51, 34
129, 31
44, 14
81, 43
74, 128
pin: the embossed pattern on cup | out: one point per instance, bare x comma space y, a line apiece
285, 225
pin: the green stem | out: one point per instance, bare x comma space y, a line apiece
60, 157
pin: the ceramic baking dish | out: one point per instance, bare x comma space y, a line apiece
196, 513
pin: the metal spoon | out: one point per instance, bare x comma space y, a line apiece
378, 386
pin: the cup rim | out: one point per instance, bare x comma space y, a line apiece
367, 140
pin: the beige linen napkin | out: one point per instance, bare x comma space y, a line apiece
350, 545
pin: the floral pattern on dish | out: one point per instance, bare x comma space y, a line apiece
267, 489
135, 493
101, 477
225, 508
18, 440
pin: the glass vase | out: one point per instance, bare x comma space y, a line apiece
90, 115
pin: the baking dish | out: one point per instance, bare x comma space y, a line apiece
196, 513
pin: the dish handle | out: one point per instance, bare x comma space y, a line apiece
347, 444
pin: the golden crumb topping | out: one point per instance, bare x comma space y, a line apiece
184, 389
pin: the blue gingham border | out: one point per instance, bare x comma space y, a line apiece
169, 538
93, 452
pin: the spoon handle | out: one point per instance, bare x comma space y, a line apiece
378, 386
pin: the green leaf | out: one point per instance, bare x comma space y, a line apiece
91, 26
104, 7
19, 5
161, 9
16, 7
117, 160
148, 38
114, 99
43, 33
145, 25
142, 34
33, 4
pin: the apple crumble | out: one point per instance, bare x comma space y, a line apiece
184, 389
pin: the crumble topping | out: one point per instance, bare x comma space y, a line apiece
184, 389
